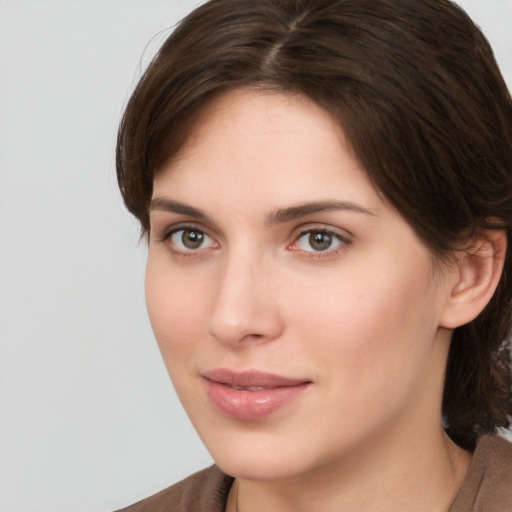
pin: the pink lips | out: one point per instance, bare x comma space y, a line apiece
250, 395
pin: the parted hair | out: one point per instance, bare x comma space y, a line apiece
416, 89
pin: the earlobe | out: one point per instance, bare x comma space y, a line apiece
475, 278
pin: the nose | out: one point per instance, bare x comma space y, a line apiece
245, 305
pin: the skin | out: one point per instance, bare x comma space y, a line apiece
368, 320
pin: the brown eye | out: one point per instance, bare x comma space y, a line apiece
192, 239
189, 239
319, 241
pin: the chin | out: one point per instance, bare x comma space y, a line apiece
260, 467
254, 453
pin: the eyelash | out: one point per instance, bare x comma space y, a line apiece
169, 232
343, 240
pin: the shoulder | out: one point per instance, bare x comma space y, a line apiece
204, 491
488, 485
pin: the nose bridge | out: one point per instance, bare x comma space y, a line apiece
244, 306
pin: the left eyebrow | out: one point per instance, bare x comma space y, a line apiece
302, 210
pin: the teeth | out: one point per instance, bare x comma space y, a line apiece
248, 388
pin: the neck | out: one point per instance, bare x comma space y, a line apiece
387, 475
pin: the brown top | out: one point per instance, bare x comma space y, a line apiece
488, 484
487, 487
205, 491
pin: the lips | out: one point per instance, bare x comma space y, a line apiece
251, 395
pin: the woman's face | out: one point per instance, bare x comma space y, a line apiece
296, 311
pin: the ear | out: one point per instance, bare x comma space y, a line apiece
474, 279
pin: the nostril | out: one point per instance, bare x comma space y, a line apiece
253, 326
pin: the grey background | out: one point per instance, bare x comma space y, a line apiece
89, 421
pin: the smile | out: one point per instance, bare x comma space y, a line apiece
251, 396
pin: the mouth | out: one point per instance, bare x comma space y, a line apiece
251, 395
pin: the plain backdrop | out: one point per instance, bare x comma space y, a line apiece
89, 420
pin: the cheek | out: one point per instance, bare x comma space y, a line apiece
368, 326
176, 308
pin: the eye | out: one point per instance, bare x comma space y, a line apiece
319, 240
189, 239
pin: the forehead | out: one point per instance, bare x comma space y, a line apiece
273, 146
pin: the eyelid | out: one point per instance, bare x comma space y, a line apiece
344, 236
322, 228
167, 234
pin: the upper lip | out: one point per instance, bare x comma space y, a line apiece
251, 378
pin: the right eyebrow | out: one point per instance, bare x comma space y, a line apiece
163, 204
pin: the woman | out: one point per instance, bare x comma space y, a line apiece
326, 187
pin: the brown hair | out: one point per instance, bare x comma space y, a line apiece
414, 85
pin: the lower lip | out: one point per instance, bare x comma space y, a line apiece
247, 405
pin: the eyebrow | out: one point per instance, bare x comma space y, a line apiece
280, 216
302, 210
167, 205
